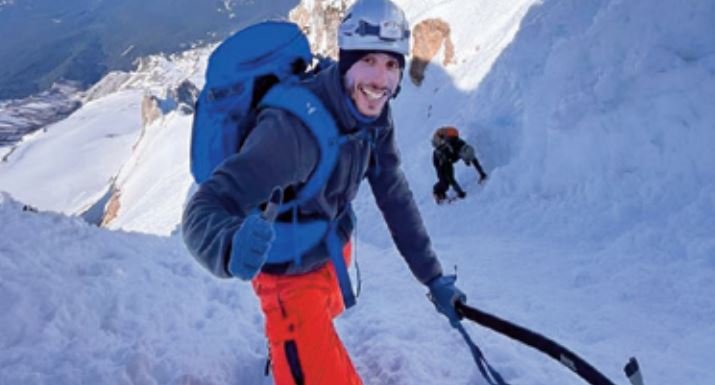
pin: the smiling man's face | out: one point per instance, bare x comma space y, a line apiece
371, 81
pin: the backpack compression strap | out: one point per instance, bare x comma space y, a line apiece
308, 108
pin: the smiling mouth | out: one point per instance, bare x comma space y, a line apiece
373, 94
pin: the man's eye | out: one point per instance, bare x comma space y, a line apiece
368, 59
393, 64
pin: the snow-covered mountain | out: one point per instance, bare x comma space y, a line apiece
102, 136
82, 40
20, 117
595, 228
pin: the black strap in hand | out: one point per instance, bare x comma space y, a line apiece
569, 359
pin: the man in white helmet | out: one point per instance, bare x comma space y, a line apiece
300, 298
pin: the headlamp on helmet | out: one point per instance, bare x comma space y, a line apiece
375, 25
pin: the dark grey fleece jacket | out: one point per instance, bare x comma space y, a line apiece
281, 151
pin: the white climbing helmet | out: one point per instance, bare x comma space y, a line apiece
375, 25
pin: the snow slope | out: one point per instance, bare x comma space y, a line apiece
596, 227
88, 305
154, 182
95, 142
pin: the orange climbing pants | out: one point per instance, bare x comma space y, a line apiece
299, 312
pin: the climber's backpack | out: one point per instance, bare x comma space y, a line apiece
257, 67
447, 132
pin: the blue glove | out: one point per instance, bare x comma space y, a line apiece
251, 243
444, 295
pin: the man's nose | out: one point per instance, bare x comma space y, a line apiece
381, 76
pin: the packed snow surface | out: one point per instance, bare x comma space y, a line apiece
596, 226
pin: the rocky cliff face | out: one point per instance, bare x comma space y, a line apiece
320, 21
429, 38
182, 98
150, 110
112, 208
186, 96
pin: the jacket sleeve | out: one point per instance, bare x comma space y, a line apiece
278, 152
466, 152
395, 200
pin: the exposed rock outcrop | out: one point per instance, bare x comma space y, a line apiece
182, 99
429, 36
186, 95
320, 21
150, 109
110, 212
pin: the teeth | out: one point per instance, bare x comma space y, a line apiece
372, 94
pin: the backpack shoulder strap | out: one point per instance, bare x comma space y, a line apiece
303, 103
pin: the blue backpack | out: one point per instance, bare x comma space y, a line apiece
240, 72
257, 67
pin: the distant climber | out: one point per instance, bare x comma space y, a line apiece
448, 149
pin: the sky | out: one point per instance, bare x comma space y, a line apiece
595, 227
